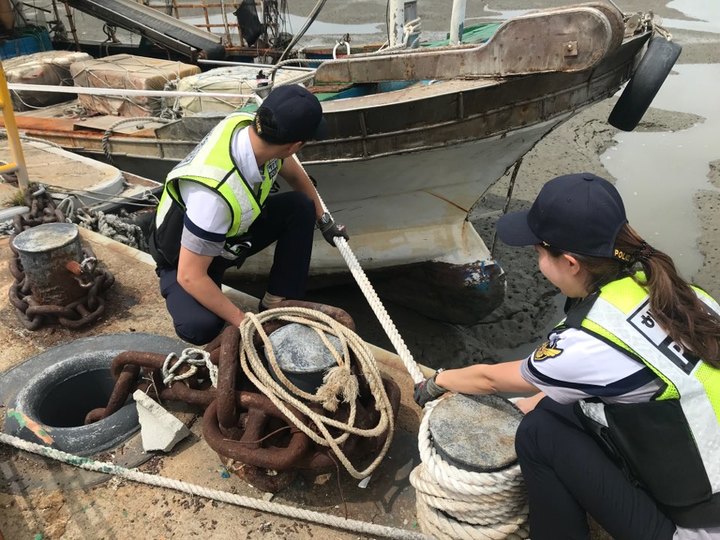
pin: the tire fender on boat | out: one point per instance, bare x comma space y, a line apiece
649, 76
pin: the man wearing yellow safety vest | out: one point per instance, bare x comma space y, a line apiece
626, 424
216, 210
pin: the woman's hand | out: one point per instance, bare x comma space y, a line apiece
427, 390
528, 404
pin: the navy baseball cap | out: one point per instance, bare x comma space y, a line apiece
579, 213
290, 114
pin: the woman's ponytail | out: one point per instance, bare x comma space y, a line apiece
673, 303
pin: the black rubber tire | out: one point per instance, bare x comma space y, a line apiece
649, 76
23, 390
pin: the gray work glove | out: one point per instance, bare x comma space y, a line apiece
427, 390
330, 229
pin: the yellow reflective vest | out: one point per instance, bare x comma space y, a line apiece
211, 164
671, 444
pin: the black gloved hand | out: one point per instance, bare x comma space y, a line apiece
330, 229
427, 390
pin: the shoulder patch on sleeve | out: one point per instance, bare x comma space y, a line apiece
549, 349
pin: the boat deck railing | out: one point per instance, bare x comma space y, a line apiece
208, 12
179, 9
17, 165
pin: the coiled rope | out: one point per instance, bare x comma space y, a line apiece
451, 503
339, 380
113, 226
457, 504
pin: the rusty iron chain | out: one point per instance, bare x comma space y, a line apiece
239, 422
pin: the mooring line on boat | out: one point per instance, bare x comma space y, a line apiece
284, 510
105, 141
4, 135
126, 92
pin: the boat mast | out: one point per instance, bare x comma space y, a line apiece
457, 21
71, 22
396, 21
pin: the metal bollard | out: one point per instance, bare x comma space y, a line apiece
47, 252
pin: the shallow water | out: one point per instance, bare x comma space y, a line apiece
706, 12
659, 173
499, 14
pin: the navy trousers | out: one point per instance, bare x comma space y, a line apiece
289, 220
568, 476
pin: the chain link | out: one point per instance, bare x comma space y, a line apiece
193, 358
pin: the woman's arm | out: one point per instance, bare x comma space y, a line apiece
485, 379
193, 277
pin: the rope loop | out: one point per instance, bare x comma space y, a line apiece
340, 383
453, 503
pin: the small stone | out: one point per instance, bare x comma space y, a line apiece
321, 479
159, 429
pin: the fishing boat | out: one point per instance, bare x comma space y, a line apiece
417, 134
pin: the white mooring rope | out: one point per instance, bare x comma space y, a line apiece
214, 494
457, 504
376, 305
451, 503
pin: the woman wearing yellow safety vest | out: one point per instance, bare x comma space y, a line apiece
625, 426
216, 210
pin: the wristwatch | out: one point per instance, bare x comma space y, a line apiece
323, 220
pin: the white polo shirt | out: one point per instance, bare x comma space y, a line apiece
572, 365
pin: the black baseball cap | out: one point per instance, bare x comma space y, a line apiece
290, 114
579, 213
